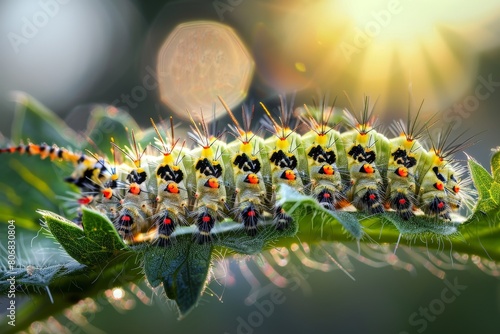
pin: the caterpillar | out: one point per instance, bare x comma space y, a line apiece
149, 191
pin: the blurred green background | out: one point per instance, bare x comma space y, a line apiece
81, 53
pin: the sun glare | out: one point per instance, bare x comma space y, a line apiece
378, 48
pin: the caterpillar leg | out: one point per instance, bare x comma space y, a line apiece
250, 216
371, 201
438, 207
166, 224
126, 224
402, 204
205, 221
281, 219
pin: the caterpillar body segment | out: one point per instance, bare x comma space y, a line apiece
401, 186
286, 158
407, 163
138, 188
248, 161
442, 190
322, 154
172, 192
402, 170
210, 189
432, 194
366, 189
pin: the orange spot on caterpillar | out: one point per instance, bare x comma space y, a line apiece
289, 175
372, 197
439, 185
107, 193
252, 178
134, 188
456, 189
212, 183
172, 188
85, 200
440, 205
402, 171
367, 168
328, 170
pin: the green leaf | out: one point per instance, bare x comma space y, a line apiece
421, 225
182, 268
52, 280
94, 245
311, 215
232, 236
495, 164
488, 190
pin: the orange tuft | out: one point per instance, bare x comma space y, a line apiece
368, 168
134, 188
107, 193
439, 185
252, 178
402, 171
172, 188
212, 183
85, 200
290, 175
328, 170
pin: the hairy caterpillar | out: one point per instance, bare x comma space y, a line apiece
164, 184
